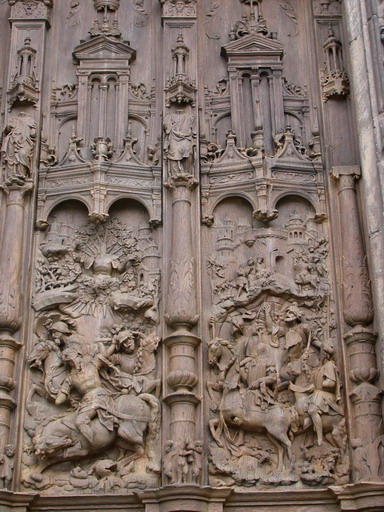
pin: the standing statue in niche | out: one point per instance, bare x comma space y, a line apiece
180, 142
17, 148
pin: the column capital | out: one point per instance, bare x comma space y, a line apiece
352, 171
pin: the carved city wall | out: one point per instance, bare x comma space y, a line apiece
186, 311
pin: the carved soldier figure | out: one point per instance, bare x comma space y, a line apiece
84, 377
17, 148
325, 398
131, 367
298, 344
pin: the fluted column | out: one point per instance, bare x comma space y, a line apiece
360, 339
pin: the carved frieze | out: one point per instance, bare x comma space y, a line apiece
179, 8
167, 265
30, 9
327, 7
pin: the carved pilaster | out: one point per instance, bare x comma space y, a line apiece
182, 314
180, 165
11, 261
182, 293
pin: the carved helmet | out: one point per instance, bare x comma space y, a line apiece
61, 327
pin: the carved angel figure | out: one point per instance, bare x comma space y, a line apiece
17, 148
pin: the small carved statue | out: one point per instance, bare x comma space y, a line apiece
180, 142
6, 465
17, 148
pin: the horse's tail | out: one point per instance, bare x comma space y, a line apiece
153, 430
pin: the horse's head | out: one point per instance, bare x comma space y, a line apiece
51, 445
215, 351
48, 441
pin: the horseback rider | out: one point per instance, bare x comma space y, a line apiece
85, 379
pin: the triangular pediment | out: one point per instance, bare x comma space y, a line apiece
254, 44
102, 48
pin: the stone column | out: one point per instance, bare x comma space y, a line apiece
366, 421
364, 46
180, 170
182, 314
11, 262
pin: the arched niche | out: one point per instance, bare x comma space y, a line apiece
294, 206
64, 136
222, 125
138, 130
234, 210
64, 220
233, 224
132, 213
